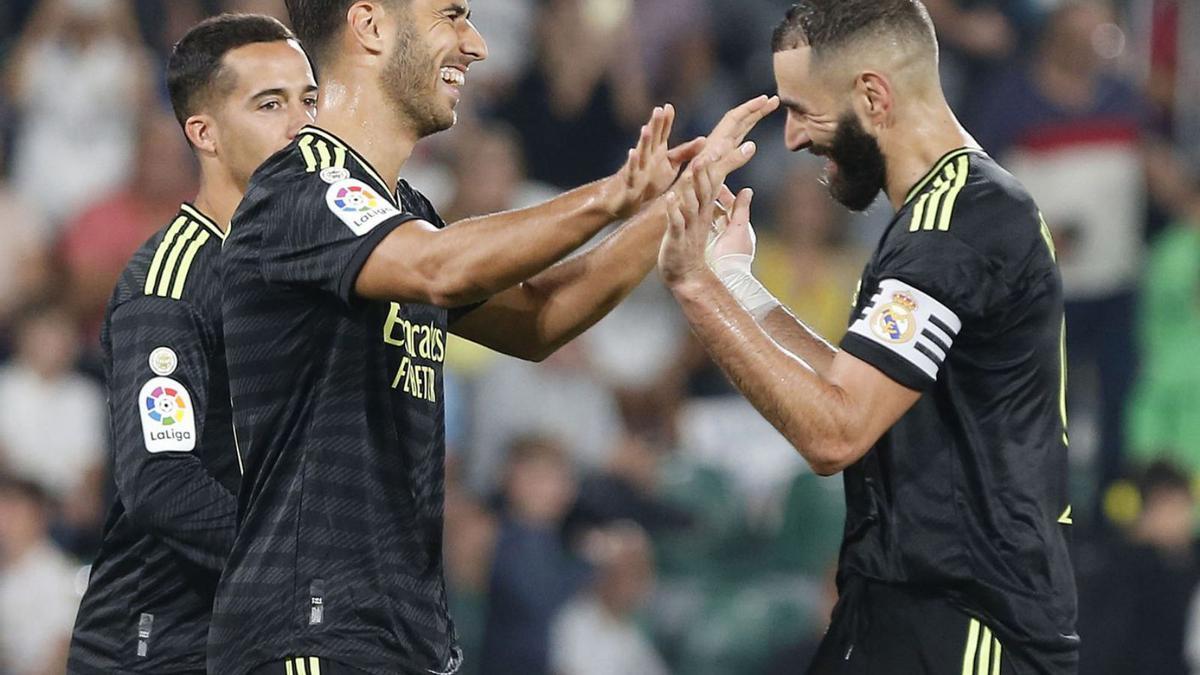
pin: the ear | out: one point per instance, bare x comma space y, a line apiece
363, 24
201, 131
873, 98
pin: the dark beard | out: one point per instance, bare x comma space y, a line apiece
861, 167
406, 83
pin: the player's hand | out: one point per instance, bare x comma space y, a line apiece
733, 234
690, 216
733, 128
652, 166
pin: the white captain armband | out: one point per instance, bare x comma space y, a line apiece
909, 323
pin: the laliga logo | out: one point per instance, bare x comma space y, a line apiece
166, 406
896, 321
355, 199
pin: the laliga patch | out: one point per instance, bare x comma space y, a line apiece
163, 361
168, 419
358, 205
334, 174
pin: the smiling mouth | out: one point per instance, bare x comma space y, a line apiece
453, 76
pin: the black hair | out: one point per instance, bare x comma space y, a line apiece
826, 25
194, 71
318, 22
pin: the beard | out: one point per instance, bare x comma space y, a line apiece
861, 168
406, 82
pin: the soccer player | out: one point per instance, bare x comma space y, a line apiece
241, 88
944, 405
341, 284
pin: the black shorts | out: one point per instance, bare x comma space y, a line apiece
882, 629
306, 665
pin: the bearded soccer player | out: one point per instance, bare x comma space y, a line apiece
241, 88
342, 285
944, 405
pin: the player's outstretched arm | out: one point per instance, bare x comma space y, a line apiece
474, 259
831, 419
535, 318
158, 395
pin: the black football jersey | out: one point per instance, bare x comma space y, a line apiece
338, 407
150, 594
967, 493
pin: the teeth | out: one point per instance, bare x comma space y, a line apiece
453, 76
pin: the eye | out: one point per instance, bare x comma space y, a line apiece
311, 101
269, 105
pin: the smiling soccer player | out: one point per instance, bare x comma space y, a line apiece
241, 88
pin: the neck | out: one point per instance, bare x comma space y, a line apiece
219, 195
930, 130
350, 108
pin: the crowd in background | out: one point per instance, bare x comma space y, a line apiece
618, 509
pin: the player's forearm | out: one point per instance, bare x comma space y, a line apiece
181, 504
488, 254
576, 293
809, 411
791, 334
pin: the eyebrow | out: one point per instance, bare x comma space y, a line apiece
793, 105
279, 91
460, 8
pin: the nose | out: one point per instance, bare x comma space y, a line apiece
473, 44
298, 118
795, 134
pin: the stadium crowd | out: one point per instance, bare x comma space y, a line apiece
617, 509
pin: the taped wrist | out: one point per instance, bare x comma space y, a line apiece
734, 271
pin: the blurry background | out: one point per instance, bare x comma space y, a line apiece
618, 509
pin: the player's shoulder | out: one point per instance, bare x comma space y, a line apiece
315, 173
178, 263
969, 198
413, 201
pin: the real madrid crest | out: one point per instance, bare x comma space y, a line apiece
896, 321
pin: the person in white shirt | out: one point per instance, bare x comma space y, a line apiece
597, 633
38, 596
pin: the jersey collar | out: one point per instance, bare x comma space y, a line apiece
937, 169
317, 131
187, 209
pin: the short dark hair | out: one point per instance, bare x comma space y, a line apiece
825, 25
194, 71
318, 22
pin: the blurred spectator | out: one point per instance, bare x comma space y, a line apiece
470, 538
533, 574
1164, 413
628, 490
805, 259
38, 599
564, 397
489, 174
578, 107
1077, 137
1142, 630
96, 246
976, 37
24, 255
52, 420
597, 632
78, 77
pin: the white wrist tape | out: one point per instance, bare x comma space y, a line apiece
734, 271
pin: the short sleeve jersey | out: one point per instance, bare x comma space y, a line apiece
967, 493
150, 594
338, 408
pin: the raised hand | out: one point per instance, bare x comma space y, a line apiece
651, 167
734, 235
691, 212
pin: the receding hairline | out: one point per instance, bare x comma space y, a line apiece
225, 79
